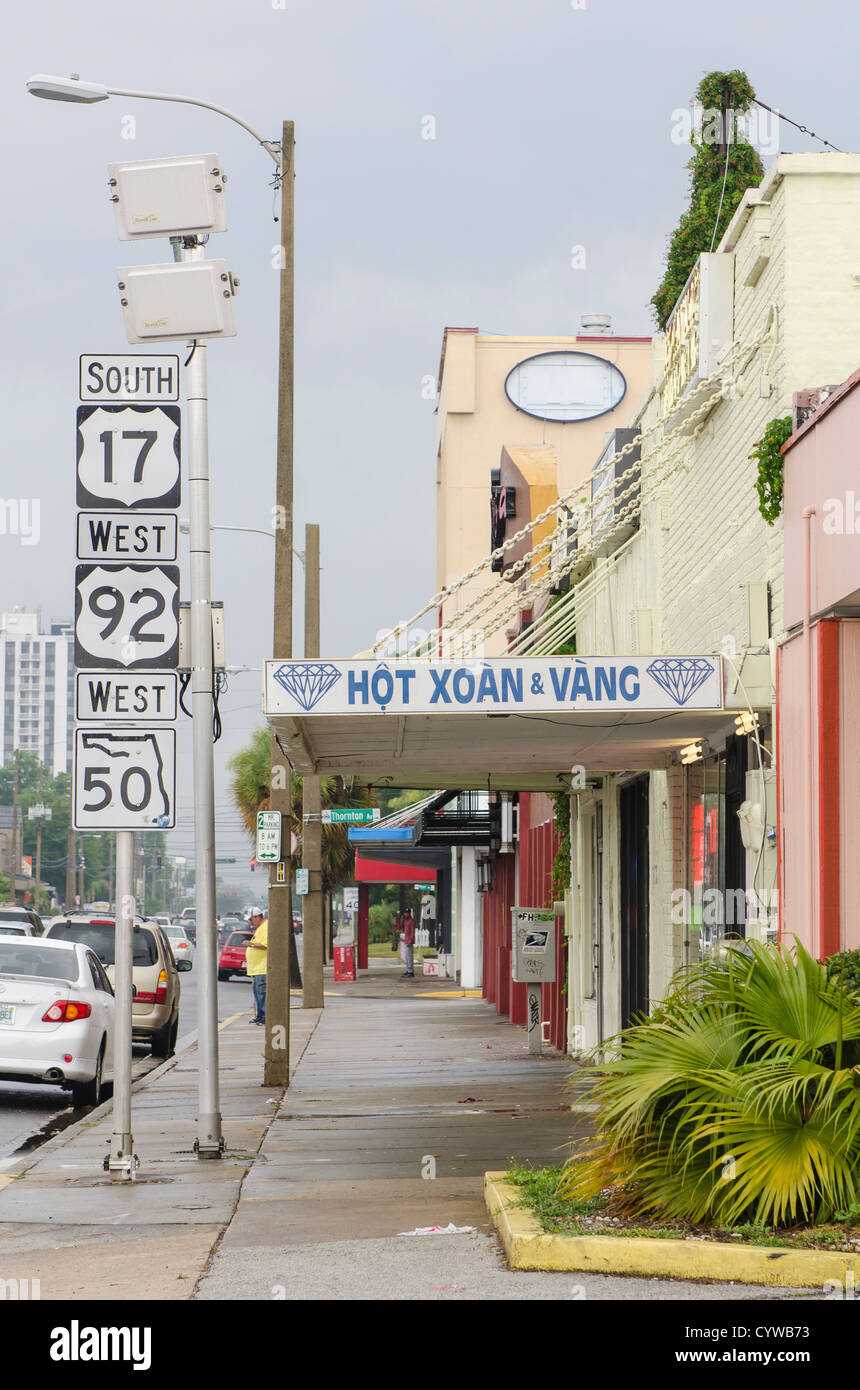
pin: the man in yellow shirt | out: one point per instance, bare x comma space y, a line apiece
255, 962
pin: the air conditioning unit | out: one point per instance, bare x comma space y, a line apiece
614, 501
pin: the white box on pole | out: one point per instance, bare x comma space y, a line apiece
188, 299
183, 194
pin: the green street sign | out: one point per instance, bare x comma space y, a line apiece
351, 815
225, 861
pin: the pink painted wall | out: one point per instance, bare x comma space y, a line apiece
821, 467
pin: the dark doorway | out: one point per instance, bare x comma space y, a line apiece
634, 901
736, 855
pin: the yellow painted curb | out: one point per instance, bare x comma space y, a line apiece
528, 1246
450, 994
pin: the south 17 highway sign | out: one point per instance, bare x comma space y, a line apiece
127, 616
128, 456
125, 779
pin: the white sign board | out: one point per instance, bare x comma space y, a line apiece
499, 685
127, 616
143, 377
112, 698
268, 837
303, 881
125, 779
533, 940
118, 536
350, 900
128, 456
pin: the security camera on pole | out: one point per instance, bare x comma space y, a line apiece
191, 299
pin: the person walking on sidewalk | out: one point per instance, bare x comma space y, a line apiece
407, 925
255, 962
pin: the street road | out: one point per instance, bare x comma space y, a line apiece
27, 1110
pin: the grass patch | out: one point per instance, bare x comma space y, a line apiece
559, 1216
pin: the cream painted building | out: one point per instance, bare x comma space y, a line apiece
660, 858
494, 396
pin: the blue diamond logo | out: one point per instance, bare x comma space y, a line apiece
308, 682
680, 676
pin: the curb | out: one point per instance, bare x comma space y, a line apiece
98, 1113
528, 1246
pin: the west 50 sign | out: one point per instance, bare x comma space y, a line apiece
543, 685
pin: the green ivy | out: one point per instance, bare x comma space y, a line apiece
561, 863
845, 967
769, 480
718, 91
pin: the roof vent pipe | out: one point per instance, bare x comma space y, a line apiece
596, 325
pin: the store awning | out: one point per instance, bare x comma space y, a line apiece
501, 723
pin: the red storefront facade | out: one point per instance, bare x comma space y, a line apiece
524, 879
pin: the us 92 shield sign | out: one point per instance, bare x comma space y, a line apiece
127, 616
125, 779
128, 456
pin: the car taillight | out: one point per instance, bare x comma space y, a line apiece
66, 1011
161, 990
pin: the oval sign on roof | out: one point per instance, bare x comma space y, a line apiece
565, 386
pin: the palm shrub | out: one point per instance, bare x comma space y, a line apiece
739, 1100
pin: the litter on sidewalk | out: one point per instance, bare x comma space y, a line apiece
449, 1230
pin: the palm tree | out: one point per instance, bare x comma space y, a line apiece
737, 1100
251, 769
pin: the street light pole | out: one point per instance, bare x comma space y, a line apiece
73, 89
210, 1140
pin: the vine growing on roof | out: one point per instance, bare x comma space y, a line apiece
720, 174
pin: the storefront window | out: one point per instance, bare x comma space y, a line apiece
707, 857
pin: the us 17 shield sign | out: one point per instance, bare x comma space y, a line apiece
128, 456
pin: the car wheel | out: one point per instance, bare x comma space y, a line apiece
90, 1092
223, 975
164, 1041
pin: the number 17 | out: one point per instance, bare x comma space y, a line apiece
106, 440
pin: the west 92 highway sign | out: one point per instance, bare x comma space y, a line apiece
127, 616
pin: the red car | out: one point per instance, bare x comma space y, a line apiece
232, 958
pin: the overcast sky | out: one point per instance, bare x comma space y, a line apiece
553, 127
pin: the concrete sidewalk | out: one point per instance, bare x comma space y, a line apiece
400, 1101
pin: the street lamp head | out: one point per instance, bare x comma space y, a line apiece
67, 89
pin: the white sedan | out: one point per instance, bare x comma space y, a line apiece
56, 1016
181, 945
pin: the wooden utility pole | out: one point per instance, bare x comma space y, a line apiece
276, 1071
313, 953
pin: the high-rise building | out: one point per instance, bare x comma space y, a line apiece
36, 690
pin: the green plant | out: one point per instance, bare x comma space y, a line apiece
720, 174
844, 967
561, 862
739, 1104
769, 479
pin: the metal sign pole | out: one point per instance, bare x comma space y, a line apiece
534, 1020
123, 1161
209, 1142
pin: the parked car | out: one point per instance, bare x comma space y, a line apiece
232, 958
155, 1007
13, 916
56, 1016
181, 946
